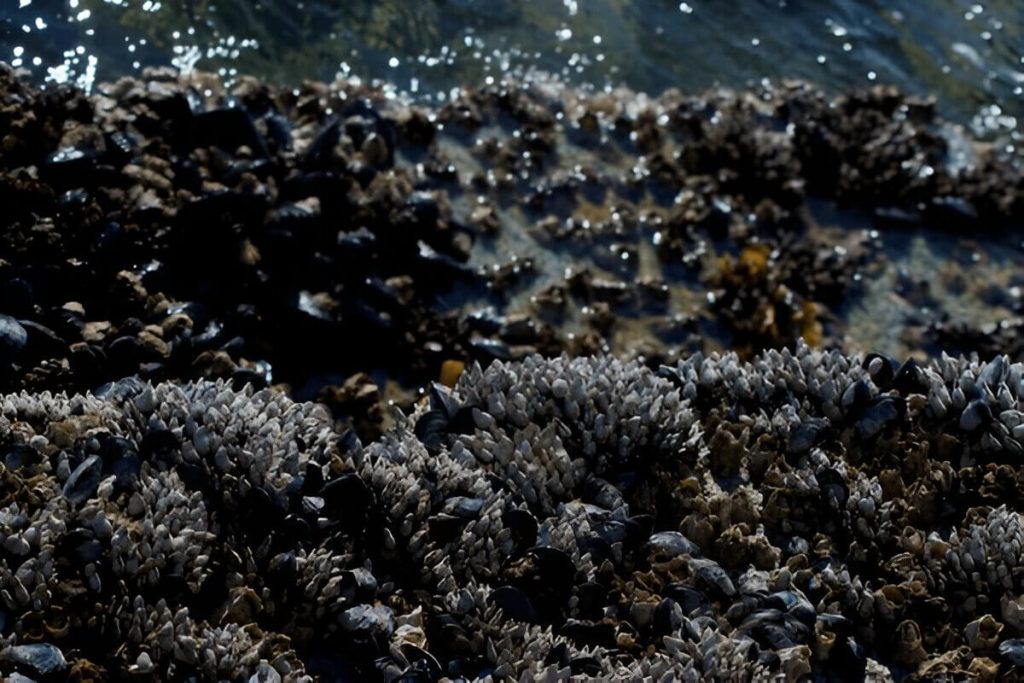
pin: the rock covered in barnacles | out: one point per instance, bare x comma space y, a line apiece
160, 532
783, 517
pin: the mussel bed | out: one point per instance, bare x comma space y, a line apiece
670, 460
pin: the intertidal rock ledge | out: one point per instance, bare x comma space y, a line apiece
802, 514
179, 227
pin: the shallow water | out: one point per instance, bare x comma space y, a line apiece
969, 54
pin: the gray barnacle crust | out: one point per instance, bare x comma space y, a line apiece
561, 517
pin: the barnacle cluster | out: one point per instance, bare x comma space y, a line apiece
805, 513
596, 488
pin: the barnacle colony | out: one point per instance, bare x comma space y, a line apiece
802, 513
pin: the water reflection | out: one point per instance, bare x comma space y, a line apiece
969, 54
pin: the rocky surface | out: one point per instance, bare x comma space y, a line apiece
592, 488
178, 229
807, 514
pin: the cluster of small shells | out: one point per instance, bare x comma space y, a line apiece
804, 513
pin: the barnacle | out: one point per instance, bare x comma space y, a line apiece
569, 515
